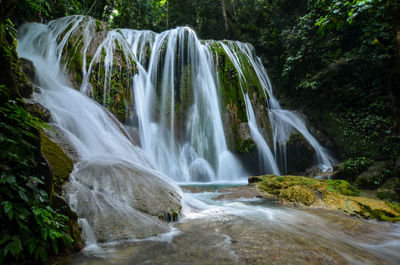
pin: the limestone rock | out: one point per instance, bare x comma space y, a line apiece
299, 194
37, 110
26, 88
122, 200
60, 164
334, 195
300, 154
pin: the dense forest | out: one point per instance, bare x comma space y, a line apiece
338, 62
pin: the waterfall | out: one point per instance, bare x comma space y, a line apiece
173, 98
114, 185
283, 122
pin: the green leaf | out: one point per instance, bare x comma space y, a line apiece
7, 206
4, 239
31, 245
43, 232
23, 196
41, 254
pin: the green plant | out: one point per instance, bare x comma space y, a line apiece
29, 227
354, 166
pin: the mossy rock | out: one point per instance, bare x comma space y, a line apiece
298, 193
60, 164
335, 195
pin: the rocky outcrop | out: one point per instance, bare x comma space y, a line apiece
26, 88
60, 164
97, 62
122, 200
300, 154
334, 195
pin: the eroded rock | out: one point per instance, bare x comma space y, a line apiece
122, 200
335, 195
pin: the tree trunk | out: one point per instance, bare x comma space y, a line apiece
223, 6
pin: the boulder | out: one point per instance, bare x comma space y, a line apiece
59, 163
27, 67
334, 195
60, 168
37, 110
298, 194
122, 200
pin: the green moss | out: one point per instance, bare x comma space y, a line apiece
275, 184
335, 195
245, 146
300, 194
99, 25
60, 164
378, 214
342, 187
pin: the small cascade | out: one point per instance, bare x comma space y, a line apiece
283, 122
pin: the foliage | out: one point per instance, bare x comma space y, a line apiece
353, 167
29, 227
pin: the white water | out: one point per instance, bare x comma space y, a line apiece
109, 164
176, 108
283, 122
103, 144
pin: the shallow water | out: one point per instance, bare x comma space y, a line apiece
252, 231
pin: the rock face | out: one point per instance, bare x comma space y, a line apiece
26, 88
37, 110
97, 61
121, 200
300, 154
335, 195
370, 178
60, 164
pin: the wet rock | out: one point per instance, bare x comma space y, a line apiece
26, 88
238, 193
85, 51
253, 179
57, 135
300, 154
37, 110
244, 131
28, 68
59, 163
122, 200
298, 194
335, 195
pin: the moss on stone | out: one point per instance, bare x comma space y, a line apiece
337, 195
299, 193
60, 164
245, 145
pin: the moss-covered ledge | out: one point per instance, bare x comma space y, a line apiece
335, 195
60, 167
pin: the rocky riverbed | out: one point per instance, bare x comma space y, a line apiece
225, 224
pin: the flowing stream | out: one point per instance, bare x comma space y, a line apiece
112, 171
217, 228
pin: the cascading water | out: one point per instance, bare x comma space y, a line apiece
103, 188
175, 103
115, 187
283, 122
